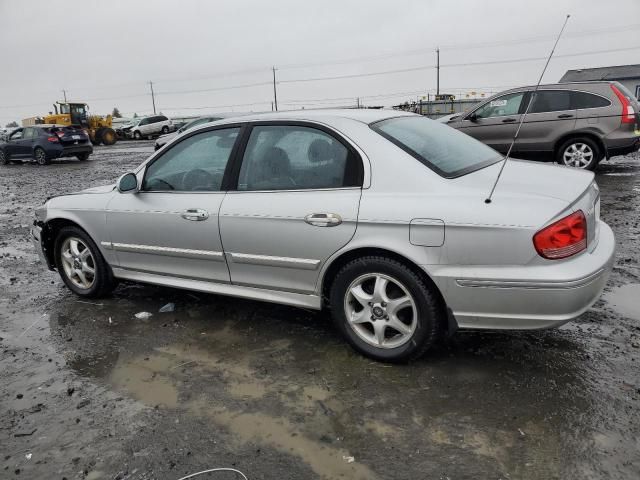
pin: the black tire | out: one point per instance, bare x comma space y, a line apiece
83, 156
97, 137
108, 136
428, 316
165, 130
4, 158
577, 143
103, 281
137, 135
41, 156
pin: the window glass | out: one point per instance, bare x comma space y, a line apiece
447, 151
28, 133
17, 135
144, 121
287, 157
501, 106
588, 100
195, 164
550, 101
64, 108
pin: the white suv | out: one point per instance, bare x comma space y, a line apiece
148, 126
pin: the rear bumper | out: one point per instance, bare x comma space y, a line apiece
527, 298
76, 149
623, 149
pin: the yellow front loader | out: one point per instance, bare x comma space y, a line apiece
100, 128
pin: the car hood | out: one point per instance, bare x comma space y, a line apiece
532, 179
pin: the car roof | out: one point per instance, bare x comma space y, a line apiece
363, 115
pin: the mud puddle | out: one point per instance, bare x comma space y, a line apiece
626, 300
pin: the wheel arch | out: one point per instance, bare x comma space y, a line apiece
50, 230
581, 134
338, 262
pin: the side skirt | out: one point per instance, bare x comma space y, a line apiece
273, 296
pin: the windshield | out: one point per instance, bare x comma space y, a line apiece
444, 150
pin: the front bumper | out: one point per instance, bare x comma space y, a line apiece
528, 298
36, 240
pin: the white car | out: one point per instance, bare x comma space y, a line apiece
150, 126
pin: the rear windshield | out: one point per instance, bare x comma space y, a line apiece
444, 150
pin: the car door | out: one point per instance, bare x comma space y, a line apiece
550, 116
296, 203
495, 122
14, 143
143, 126
170, 226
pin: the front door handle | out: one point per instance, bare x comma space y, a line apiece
508, 120
323, 219
565, 115
195, 214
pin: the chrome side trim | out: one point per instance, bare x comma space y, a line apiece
581, 282
273, 296
168, 251
267, 260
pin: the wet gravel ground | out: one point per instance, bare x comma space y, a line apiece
87, 391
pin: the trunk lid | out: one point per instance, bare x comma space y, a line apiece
71, 136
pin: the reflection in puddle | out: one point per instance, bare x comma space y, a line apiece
155, 380
626, 300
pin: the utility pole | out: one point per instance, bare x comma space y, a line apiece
275, 94
64, 92
438, 71
153, 98
358, 102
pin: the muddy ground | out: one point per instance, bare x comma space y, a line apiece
87, 391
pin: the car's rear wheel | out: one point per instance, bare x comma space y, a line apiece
581, 153
81, 265
4, 158
40, 156
137, 135
83, 156
165, 130
384, 309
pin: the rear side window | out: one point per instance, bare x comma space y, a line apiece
448, 152
588, 100
292, 157
550, 101
28, 133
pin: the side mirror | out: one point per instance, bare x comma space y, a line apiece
472, 118
128, 183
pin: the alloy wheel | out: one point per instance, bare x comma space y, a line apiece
380, 310
78, 262
41, 157
578, 155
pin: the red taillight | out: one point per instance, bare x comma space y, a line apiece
52, 139
564, 238
628, 115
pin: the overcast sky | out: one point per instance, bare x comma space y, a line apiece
106, 52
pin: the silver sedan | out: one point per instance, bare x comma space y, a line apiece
378, 215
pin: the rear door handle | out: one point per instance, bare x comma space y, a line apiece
565, 115
323, 219
508, 120
195, 214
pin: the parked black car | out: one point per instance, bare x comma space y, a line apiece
44, 143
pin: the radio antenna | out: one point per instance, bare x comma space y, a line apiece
531, 98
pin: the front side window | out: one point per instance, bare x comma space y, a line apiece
196, 164
445, 150
28, 133
288, 157
17, 135
550, 101
501, 106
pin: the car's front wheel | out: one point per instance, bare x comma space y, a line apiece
40, 156
81, 265
384, 309
4, 158
137, 135
581, 153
